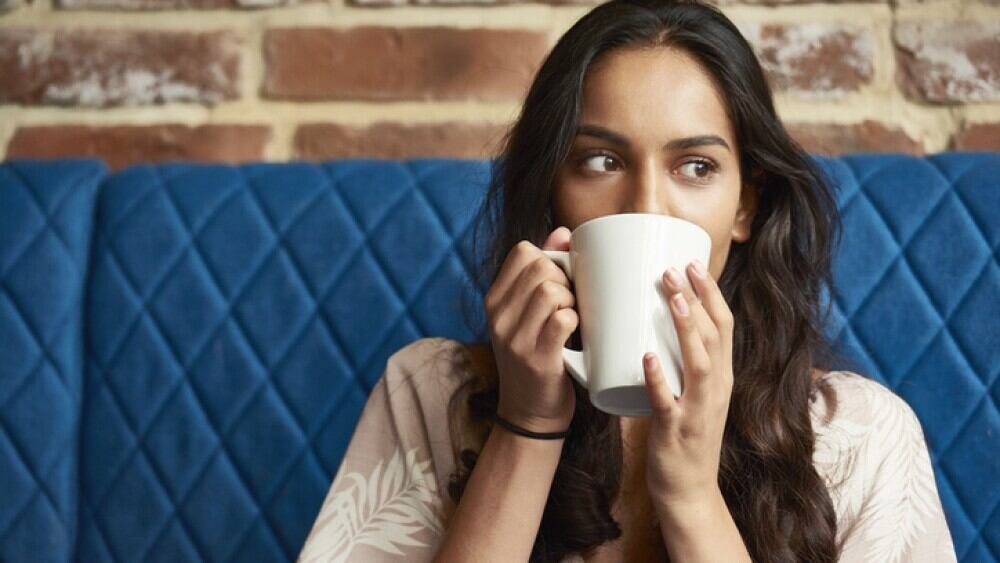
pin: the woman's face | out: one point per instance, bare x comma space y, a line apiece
654, 138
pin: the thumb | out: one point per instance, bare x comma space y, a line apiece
557, 240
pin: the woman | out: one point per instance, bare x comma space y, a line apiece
643, 107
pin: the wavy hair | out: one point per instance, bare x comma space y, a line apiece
774, 284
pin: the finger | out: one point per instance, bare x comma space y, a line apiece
556, 331
517, 258
697, 365
547, 298
714, 304
557, 239
675, 282
516, 300
661, 397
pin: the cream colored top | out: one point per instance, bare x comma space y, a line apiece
389, 499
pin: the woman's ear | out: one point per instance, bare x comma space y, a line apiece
747, 210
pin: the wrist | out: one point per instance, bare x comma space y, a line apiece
511, 427
700, 528
680, 511
534, 423
511, 441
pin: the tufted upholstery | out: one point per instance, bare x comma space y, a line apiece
185, 349
45, 226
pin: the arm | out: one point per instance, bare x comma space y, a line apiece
685, 438
384, 504
901, 518
498, 516
701, 531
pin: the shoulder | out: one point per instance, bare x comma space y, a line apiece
865, 434
887, 423
422, 348
858, 423
874, 457
435, 363
425, 379
855, 399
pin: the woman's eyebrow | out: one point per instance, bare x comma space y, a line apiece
696, 141
676, 144
602, 133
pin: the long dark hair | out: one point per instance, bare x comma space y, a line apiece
774, 284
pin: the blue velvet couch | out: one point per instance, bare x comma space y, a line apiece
185, 348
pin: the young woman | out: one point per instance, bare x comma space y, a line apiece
644, 106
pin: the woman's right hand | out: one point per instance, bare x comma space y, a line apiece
530, 312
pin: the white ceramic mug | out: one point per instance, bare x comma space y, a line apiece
617, 263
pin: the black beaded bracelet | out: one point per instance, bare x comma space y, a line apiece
528, 433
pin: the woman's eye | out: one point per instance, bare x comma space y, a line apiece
697, 169
600, 163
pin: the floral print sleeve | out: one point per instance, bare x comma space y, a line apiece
882, 483
388, 501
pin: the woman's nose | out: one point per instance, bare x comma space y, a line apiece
647, 192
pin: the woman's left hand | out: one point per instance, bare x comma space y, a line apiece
685, 433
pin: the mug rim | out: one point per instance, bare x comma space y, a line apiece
651, 216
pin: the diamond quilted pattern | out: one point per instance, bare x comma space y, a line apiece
967, 177
947, 275
917, 284
360, 289
895, 322
974, 324
865, 256
236, 318
411, 222
45, 220
256, 317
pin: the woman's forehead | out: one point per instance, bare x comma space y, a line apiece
654, 91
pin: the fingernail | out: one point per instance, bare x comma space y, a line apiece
675, 278
650, 360
680, 304
699, 268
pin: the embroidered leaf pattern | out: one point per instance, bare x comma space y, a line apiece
903, 493
835, 455
875, 463
384, 510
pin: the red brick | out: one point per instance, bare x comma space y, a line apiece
867, 136
380, 2
107, 67
918, 2
381, 63
979, 137
469, 2
789, 2
124, 145
948, 62
815, 60
170, 4
142, 4
317, 141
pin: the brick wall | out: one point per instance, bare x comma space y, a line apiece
237, 80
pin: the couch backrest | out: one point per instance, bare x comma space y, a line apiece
236, 318
917, 307
46, 216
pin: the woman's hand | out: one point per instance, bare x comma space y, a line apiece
685, 433
530, 313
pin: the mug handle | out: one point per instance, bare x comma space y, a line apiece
572, 358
